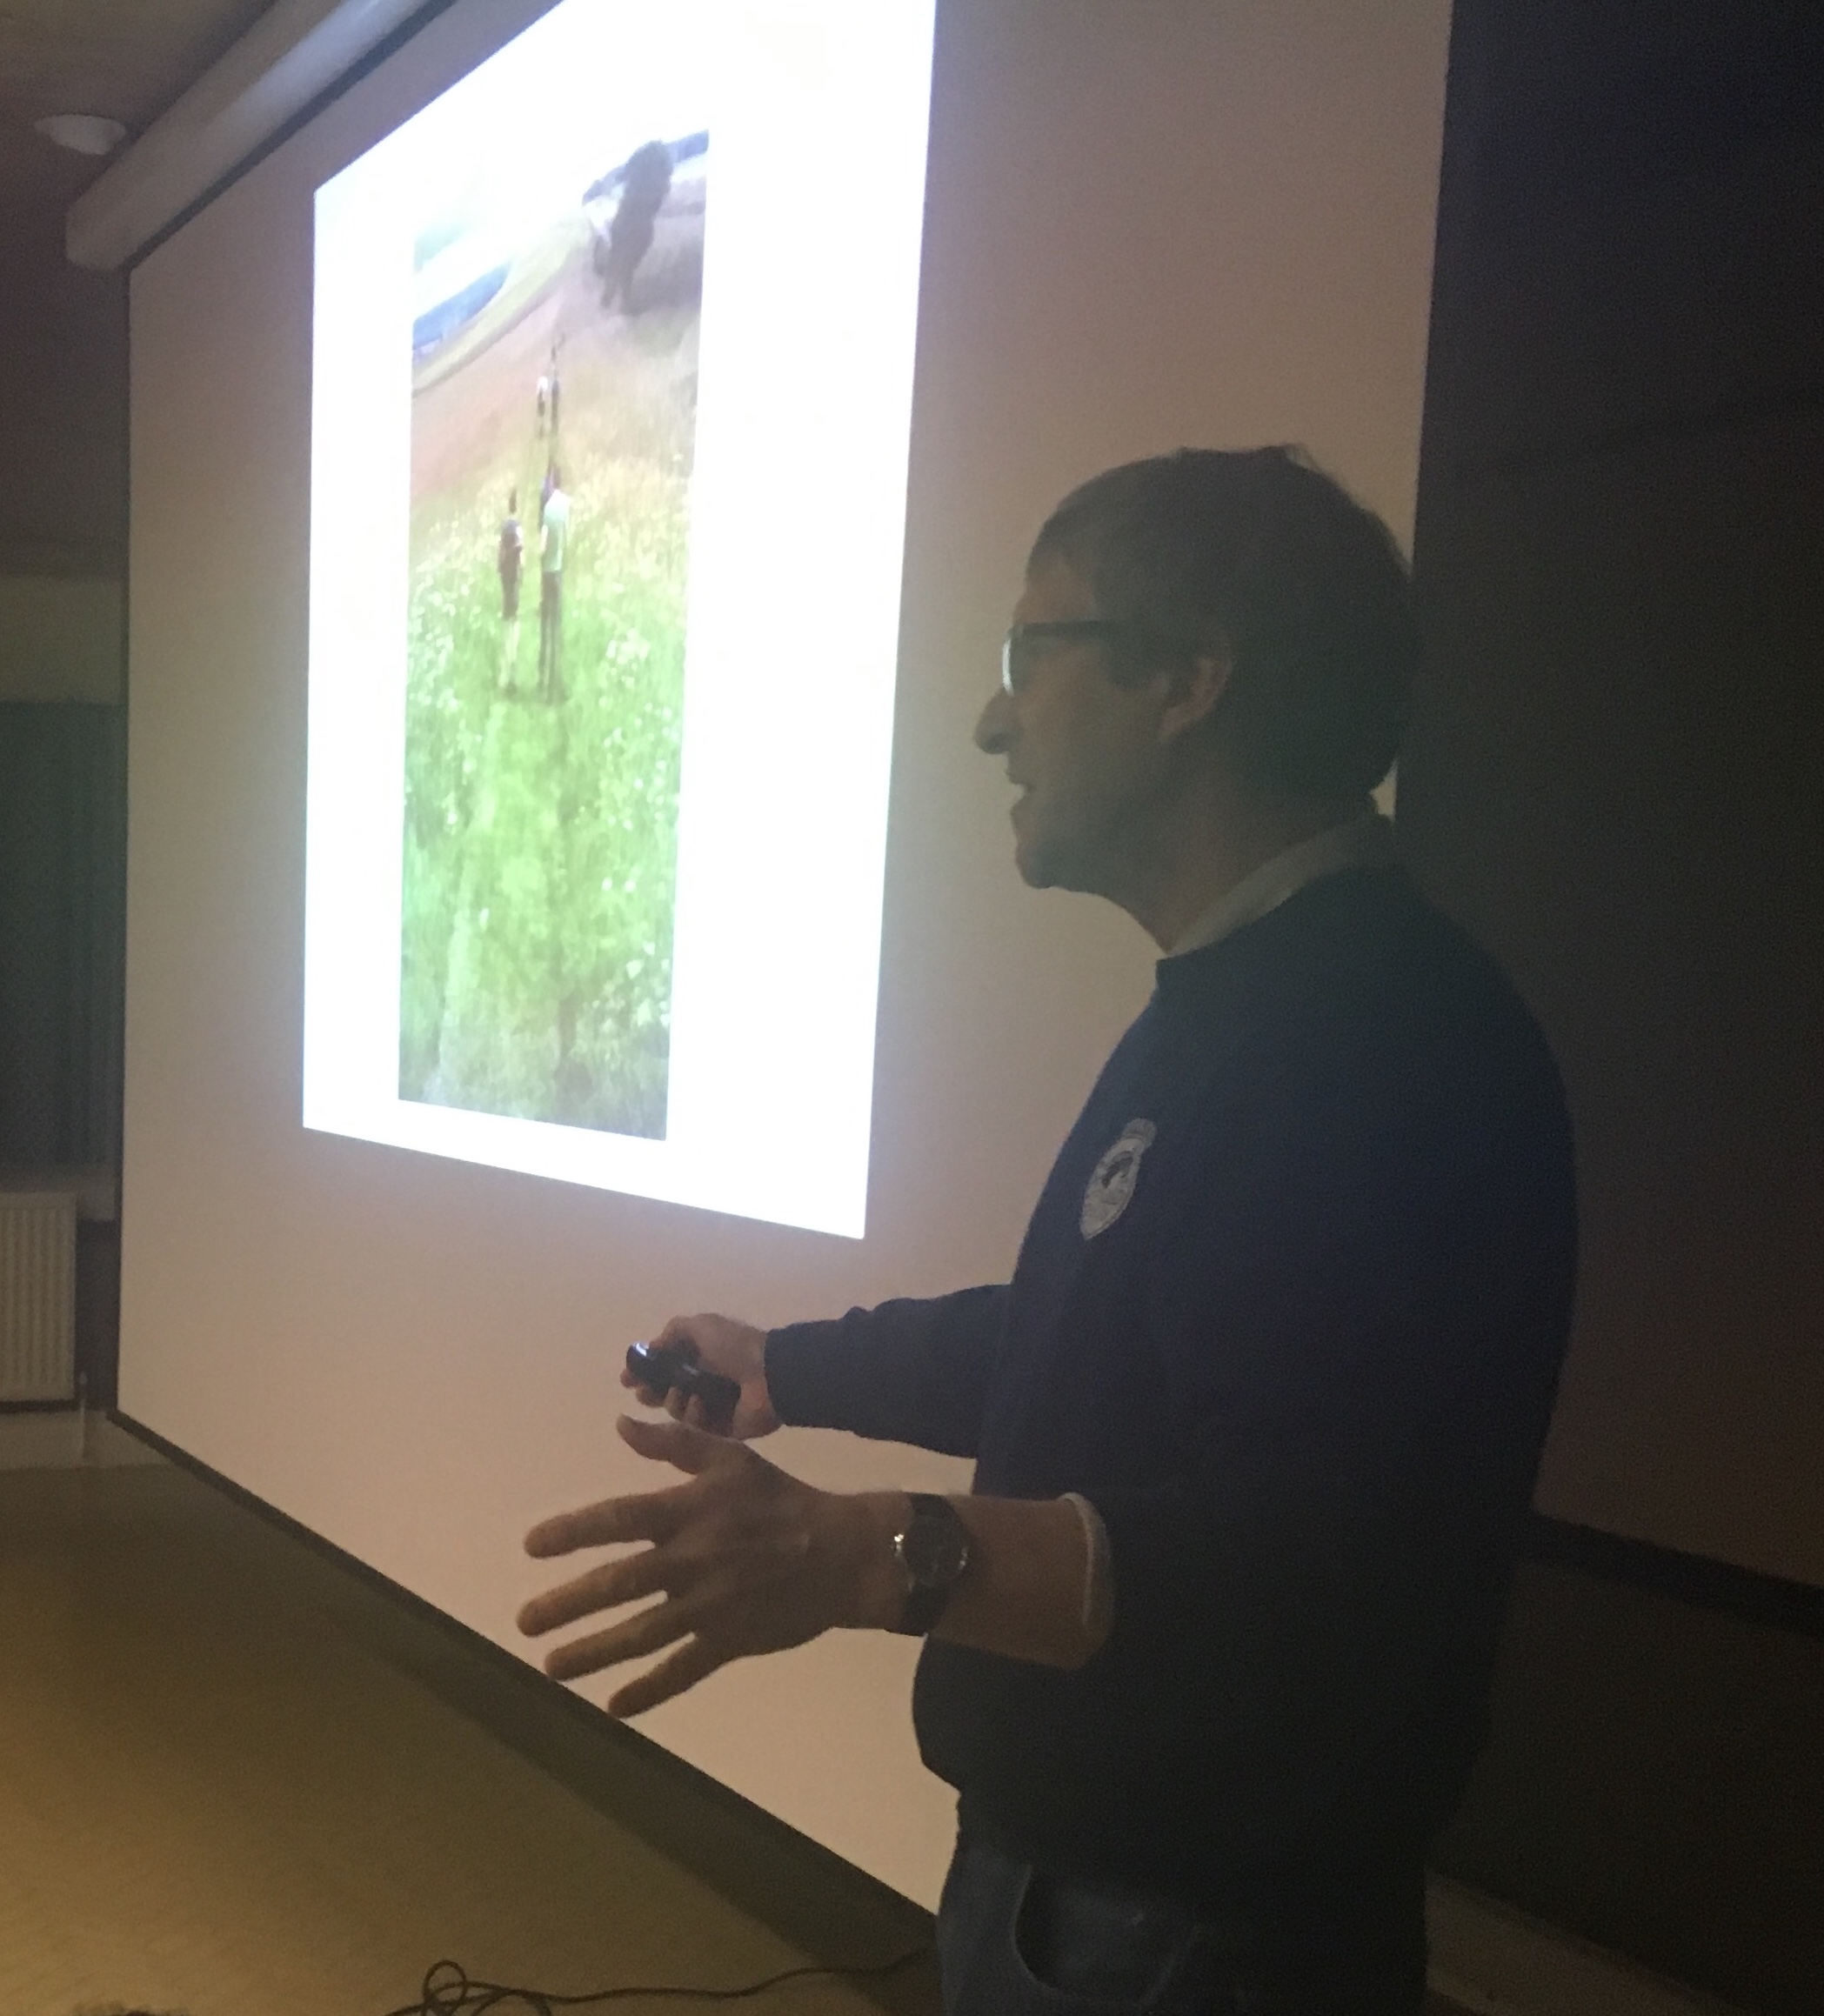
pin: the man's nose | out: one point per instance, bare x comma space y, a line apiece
994, 728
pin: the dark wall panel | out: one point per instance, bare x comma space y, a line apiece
1612, 773
1613, 777
62, 871
1654, 1785
1629, 237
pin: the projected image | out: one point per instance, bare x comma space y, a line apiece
611, 364
553, 421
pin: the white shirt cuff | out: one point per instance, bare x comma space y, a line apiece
1099, 1572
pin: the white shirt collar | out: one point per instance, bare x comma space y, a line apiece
1368, 841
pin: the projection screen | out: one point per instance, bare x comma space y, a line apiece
723, 994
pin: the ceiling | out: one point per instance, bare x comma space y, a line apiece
126, 59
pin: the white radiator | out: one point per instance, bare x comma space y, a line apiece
37, 1295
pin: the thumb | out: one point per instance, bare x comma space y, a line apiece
693, 1450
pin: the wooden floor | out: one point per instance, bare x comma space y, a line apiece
215, 1798
235, 1781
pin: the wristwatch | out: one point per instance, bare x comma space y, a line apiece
932, 1547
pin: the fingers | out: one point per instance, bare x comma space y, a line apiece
679, 1405
647, 1631
649, 1516
686, 1445
692, 1662
679, 1335
654, 1516
675, 1403
601, 1588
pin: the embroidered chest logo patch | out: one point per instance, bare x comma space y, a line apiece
1111, 1188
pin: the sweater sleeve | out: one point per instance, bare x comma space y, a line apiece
905, 1372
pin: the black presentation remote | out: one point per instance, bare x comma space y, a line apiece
660, 1371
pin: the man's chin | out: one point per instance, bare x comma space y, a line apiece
1044, 858
1038, 864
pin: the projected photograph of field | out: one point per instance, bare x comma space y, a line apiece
553, 423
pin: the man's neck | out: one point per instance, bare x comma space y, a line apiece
1209, 848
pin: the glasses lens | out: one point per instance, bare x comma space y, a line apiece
1017, 645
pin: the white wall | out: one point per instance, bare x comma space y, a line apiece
1151, 222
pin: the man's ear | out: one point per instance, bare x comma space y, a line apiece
1196, 685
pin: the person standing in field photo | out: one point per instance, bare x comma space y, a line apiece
553, 538
542, 392
509, 559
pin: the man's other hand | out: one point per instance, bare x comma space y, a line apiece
744, 1558
718, 1344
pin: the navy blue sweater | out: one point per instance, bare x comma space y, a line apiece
1303, 1373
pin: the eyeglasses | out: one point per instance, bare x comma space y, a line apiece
1016, 649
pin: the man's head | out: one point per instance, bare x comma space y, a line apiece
1250, 633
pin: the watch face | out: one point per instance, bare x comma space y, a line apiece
935, 1547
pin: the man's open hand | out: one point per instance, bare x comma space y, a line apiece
745, 1558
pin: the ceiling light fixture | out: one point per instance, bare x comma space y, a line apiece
82, 132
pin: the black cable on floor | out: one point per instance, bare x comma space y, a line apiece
449, 1992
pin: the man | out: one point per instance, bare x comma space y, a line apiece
553, 538
508, 559
1256, 1421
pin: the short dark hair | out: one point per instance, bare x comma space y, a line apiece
1260, 549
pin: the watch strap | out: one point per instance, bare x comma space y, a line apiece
924, 1607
